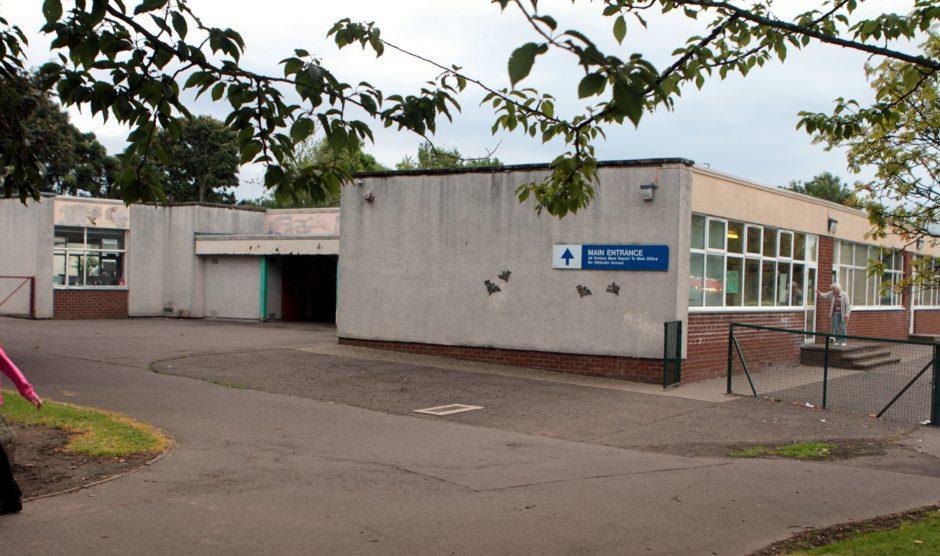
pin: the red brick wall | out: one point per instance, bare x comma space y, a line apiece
707, 344
89, 304
927, 321
882, 324
626, 368
823, 282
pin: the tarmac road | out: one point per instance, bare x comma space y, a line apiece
282, 472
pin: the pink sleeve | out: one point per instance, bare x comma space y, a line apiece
22, 385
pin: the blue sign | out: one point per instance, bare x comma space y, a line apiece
611, 257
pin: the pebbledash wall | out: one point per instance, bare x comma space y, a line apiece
419, 247
165, 272
419, 260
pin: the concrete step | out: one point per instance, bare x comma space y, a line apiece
873, 363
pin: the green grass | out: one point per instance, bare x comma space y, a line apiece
95, 432
914, 537
797, 450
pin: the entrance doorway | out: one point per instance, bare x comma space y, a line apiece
308, 288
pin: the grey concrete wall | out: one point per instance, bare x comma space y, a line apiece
232, 287
274, 287
26, 233
163, 270
414, 262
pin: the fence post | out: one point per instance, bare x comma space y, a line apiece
935, 398
32, 297
825, 373
730, 356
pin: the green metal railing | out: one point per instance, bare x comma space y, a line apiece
672, 353
877, 377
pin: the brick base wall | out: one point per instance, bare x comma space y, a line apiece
626, 368
707, 343
89, 304
881, 324
927, 321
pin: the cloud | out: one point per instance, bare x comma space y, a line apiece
744, 126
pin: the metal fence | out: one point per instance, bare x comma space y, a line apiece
877, 377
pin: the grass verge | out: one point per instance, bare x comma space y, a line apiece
914, 532
797, 450
94, 432
914, 536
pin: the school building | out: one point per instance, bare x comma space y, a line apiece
449, 262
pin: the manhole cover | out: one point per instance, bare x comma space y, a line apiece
448, 409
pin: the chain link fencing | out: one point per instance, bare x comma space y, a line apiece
876, 377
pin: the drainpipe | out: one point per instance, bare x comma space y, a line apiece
263, 302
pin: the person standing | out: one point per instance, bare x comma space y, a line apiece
10, 495
839, 309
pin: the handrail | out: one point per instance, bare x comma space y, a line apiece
830, 335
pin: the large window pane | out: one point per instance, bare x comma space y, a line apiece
697, 280
108, 270
698, 232
716, 234
845, 252
796, 285
811, 286
786, 245
751, 282
72, 238
105, 239
770, 242
753, 240
871, 298
799, 247
735, 237
861, 256
714, 280
768, 283
783, 284
58, 269
887, 296
858, 286
733, 282
75, 270
811, 248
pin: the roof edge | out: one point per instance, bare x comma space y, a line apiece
523, 167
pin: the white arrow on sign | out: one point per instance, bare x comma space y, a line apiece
566, 256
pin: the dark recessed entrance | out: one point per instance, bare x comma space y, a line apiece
308, 288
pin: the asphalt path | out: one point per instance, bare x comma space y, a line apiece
263, 472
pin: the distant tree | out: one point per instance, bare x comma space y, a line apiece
826, 186
200, 163
68, 161
310, 156
429, 158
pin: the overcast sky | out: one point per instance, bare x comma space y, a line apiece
742, 126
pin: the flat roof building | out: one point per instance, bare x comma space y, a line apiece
449, 262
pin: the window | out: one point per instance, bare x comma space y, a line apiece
851, 271
734, 264
84, 257
928, 293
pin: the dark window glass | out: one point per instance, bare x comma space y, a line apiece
696, 280
751, 282
734, 281
735, 237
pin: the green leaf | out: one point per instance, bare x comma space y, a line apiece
149, 6
301, 129
521, 60
592, 84
628, 101
620, 29
52, 9
179, 23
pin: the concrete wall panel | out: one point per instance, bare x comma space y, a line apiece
232, 287
26, 250
414, 263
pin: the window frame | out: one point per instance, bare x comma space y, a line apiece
809, 261
83, 253
843, 272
